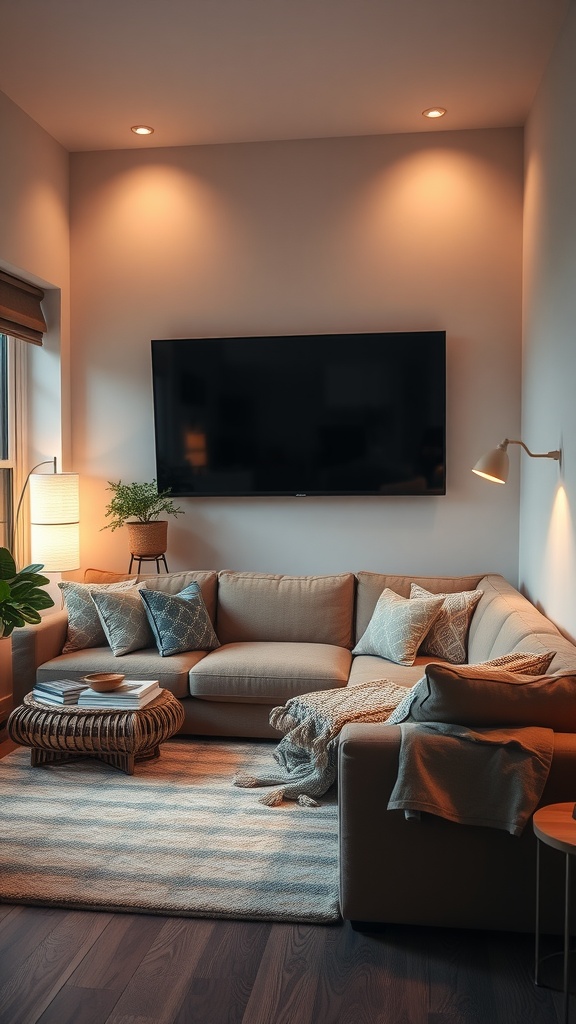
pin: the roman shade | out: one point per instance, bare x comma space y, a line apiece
20, 310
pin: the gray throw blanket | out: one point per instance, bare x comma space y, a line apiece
307, 755
491, 777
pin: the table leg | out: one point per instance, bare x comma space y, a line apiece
567, 939
537, 922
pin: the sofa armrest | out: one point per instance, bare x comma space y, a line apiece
437, 872
32, 646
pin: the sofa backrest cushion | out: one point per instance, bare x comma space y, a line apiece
106, 576
506, 621
303, 609
167, 583
174, 582
370, 585
458, 695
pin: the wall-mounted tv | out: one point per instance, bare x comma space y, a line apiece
329, 414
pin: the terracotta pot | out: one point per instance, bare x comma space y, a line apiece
148, 538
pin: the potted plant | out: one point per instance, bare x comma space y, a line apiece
21, 596
21, 600
137, 506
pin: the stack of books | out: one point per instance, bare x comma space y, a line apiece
59, 691
131, 694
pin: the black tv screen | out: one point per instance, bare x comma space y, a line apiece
329, 414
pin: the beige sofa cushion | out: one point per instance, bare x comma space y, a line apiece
106, 576
171, 673
167, 583
301, 609
174, 582
269, 673
367, 668
505, 621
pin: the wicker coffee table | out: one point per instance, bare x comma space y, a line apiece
118, 737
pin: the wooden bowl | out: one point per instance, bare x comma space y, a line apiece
102, 682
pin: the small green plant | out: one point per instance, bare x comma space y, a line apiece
138, 503
20, 595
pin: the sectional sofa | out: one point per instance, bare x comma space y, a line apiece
280, 636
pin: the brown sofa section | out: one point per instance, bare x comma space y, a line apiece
436, 872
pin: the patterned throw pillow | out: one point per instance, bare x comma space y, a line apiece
180, 622
518, 661
448, 636
124, 620
397, 627
527, 664
84, 626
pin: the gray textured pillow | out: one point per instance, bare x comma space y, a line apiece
500, 699
448, 635
124, 620
180, 622
528, 664
397, 627
84, 625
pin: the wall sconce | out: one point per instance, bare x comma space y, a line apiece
54, 518
494, 465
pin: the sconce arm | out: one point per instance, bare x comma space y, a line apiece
533, 455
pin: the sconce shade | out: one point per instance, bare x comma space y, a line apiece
54, 520
494, 465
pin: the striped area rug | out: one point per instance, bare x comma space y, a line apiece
177, 837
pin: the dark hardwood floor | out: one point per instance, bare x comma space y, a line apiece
76, 967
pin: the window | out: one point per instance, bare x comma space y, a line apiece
6, 452
13, 418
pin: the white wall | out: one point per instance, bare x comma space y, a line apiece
548, 495
34, 245
381, 233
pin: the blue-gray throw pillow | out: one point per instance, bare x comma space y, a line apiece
124, 620
179, 622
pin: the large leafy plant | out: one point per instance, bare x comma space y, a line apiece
21, 596
139, 503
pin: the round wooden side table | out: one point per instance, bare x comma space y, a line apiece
118, 737
555, 826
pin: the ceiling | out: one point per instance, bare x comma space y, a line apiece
217, 71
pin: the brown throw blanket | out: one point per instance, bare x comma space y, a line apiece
492, 777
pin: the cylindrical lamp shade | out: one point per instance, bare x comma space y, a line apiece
54, 520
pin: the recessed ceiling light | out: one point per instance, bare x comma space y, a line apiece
434, 112
142, 129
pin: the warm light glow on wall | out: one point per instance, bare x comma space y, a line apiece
177, 210
559, 558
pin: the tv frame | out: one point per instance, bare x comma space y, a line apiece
402, 488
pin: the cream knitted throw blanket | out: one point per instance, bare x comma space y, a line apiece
307, 755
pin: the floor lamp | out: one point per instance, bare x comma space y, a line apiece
54, 518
